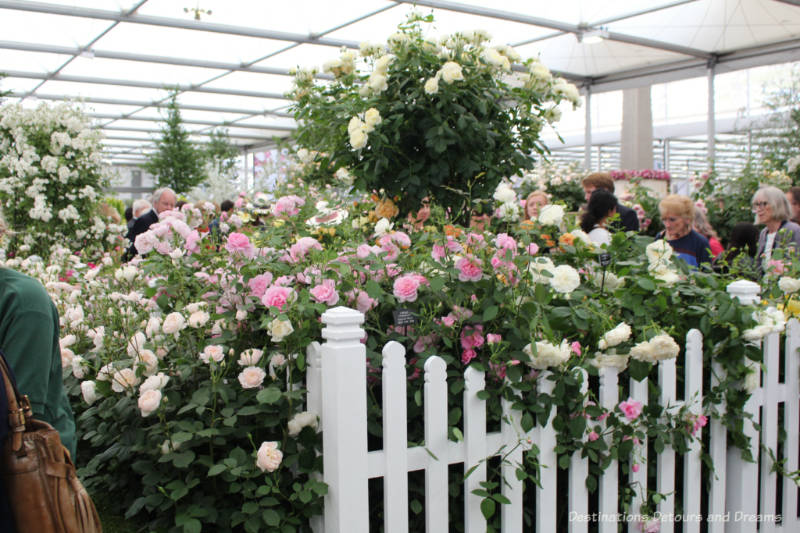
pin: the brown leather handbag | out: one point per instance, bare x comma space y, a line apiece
44, 492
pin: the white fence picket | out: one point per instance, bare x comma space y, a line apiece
578, 472
791, 421
693, 395
344, 422
314, 404
665, 461
514, 439
547, 493
395, 439
609, 483
435, 409
475, 448
638, 480
718, 446
769, 429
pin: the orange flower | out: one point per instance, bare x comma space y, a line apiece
386, 209
548, 241
567, 238
452, 231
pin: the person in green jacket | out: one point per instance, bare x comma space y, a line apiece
29, 338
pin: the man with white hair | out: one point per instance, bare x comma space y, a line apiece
163, 199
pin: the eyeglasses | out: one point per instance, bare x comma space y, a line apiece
756, 205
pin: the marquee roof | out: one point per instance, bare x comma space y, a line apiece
231, 59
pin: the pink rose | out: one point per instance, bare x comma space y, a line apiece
258, 285
276, 297
468, 355
191, 242
533, 248
363, 302
240, 243
405, 288
438, 253
493, 338
635, 467
472, 336
269, 457
593, 436
425, 342
252, 377
454, 246
325, 292
576, 347
631, 408
469, 268
299, 250
504, 241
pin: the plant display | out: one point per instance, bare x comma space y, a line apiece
186, 366
51, 180
445, 119
177, 163
563, 184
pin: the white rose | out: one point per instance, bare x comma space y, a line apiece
382, 227
213, 352
250, 357
618, 335
358, 139
301, 420
789, 285
658, 253
126, 273
77, 367
136, 343
668, 275
269, 457
198, 319
377, 82
509, 211
241, 314
149, 360
565, 279
431, 85
252, 377
89, 391
68, 341
153, 326
149, 401
548, 354
123, 379
173, 323
551, 215
279, 329
451, 71
504, 194
372, 118
355, 124
383, 62
154, 382
658, 348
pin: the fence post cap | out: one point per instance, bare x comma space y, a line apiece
342, 325
746, 291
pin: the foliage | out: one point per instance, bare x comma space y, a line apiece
445, 120
488, 300
562, 183
117, 204
177, 163
645, 203
219, 153
50, 179
780, 135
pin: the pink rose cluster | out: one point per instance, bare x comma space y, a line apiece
406, 287
239, 243
325, 292
471, 340
631, 408
288, 205
299, 250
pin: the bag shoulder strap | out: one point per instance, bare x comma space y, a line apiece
19, 408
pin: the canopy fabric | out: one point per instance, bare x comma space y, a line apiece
231, 60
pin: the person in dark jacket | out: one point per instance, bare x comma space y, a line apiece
163, 200
628, 219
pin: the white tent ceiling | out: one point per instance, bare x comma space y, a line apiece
232, 65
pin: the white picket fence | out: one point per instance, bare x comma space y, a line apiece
337, 391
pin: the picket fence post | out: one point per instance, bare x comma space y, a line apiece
742, 487
344, 422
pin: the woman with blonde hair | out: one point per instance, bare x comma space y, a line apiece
677, 214
535, 201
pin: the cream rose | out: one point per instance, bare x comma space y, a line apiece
269, 457
301, 420
252, 377
149, 401
451, 71
279, 329
173, 323
89, 391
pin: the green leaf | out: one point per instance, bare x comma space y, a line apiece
269, 395
487, 508
271, 517
646, 283
183, 459
216, 469
490, 313
638, 369
373, 289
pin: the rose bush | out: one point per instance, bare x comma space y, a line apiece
186, 367
51, 179
445, 119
